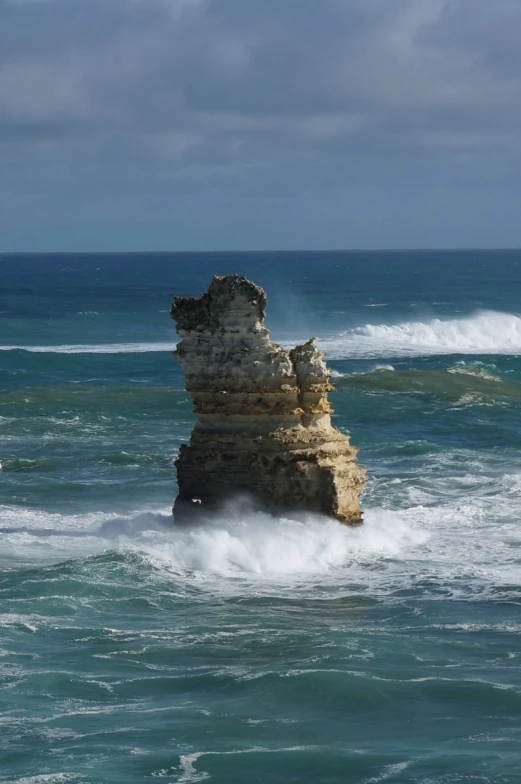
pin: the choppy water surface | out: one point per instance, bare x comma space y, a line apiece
261, 649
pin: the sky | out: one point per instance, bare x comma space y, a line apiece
259, 124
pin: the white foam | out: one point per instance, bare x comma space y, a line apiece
462, 369
258, 545
483, 332
34, 537
191, 774
48, 778
375, 369
241, 543
457, 531
107, 348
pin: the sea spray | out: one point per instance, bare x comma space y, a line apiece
241, 542
484, 332
249, 544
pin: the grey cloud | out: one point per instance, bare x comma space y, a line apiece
258, 98
230, 67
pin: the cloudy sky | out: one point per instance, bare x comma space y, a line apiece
253, 124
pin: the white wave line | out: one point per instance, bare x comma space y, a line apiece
108, 348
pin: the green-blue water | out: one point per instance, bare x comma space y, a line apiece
261, 649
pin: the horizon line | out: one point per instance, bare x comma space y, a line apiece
249, 251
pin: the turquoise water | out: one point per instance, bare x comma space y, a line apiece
261, 649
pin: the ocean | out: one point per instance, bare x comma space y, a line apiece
259, 649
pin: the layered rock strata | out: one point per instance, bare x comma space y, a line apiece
263, 416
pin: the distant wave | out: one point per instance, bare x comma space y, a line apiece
483, 332
107, 348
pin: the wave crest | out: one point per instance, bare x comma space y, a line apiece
483, 332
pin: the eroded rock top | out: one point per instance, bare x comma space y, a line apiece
227, 298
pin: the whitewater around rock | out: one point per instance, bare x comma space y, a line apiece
264, 419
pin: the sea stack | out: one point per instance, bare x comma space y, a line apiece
263, 427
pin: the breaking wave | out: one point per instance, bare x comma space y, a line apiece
241, 543
456, 528
257, 544
483, 332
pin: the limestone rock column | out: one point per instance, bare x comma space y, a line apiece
263, 425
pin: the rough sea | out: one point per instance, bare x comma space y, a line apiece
259, 649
